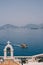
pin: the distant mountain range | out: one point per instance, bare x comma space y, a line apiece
28, 26
8, 26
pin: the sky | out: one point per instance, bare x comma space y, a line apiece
21, 12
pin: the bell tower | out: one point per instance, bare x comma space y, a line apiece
8, 51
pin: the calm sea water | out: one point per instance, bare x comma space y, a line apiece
34, 39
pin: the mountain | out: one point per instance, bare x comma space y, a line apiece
41, 26
28, 26
31, 26
8, 26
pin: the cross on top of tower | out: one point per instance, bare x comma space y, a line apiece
8, 42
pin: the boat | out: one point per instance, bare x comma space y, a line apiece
24, 45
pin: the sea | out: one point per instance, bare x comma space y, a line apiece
32, 37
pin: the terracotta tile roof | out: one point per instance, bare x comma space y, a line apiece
9, 62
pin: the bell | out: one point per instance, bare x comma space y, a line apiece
8, 52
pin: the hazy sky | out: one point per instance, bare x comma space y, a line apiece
21, 12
